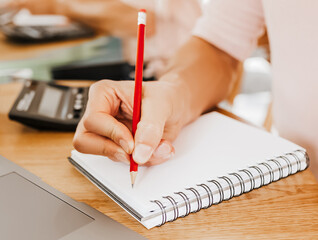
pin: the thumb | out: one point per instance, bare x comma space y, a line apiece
150, 129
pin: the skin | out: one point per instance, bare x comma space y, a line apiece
198, 77
101, 15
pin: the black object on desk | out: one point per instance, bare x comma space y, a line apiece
35, 34
49, 106
96, 71
39, 32
82, 71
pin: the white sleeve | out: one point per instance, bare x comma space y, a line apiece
231, 25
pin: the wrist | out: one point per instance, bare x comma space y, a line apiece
182, 98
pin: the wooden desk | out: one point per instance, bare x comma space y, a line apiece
287, 209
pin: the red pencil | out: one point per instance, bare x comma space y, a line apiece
138, 85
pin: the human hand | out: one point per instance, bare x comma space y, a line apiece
35, 6
105, 128
104, 16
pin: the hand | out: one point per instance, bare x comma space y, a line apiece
35, 6
104, 16
105, 128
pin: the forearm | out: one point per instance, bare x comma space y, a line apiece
109, 16
203, 73
112, 17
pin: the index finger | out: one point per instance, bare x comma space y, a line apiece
102, 106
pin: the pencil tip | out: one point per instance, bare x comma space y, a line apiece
133, 178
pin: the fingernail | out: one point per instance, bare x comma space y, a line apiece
126, 146
121, 157
163, 151
142, 153
170, 155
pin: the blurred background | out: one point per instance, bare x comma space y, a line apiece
92, 40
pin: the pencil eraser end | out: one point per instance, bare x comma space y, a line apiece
142, 15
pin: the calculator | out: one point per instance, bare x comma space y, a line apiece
33, 34
49, 106
38, 30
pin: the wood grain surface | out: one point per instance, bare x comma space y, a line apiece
287, 209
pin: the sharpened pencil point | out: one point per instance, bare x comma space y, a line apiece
133, 176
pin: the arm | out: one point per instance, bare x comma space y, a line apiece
205, 73
199, 76
108, 16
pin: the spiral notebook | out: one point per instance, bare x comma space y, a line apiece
217, 158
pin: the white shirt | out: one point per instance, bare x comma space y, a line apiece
235, 26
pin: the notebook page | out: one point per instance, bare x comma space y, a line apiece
212, 146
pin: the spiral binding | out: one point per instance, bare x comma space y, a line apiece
241, 181
288, 160
175, 207
187, 203
250, 176
220, 190
197, 196
280, 169
210, 194
231, 185
270, 170
262, 177
163, 211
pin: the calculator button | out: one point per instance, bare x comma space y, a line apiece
74, 90
69, 116
78, 106
78, 102
79, 96
21, 105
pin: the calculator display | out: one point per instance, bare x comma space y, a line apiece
50, 101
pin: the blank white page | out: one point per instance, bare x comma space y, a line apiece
212, 146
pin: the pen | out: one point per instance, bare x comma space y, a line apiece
138, 85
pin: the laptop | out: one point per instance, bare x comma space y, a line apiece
31, 209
